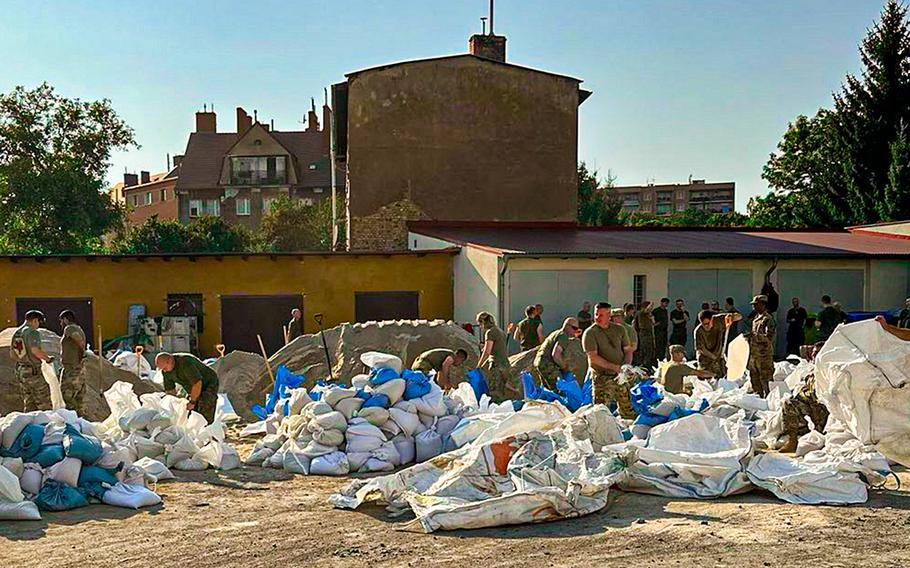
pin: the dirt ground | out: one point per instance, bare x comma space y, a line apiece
268, 518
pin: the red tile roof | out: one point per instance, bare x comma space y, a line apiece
556, 240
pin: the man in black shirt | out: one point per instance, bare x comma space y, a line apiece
796, 322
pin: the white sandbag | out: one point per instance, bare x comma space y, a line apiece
113, 457
195, 423
737, 358
356, 460
363, 436
276, 461
12, 425
387, 452
360, 381
144, 447
428, 445
212, 432
153, 469
316, 408
191, 464
332, 420
427, 420
134, 363
14, 465
810, 442
211, 454
335, 463
374, 465
333, 396
314, 449
377, 360
295, 461
407, 421
431, 403
299, 398
259, 456
170, 435
640, 431
121, 399
32, 478
21, 511
53, 433
185, 448
224, 410
140, 419
292, 426
66, 471
445, 425
230, 458
375, 415
406, 406
390, 428
349, 407
407, 451
393, 389
53, 383
330, 437
130, 496
10, 491
273, 441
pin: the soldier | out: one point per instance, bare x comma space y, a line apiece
26, 351
804, 403
527, 332
549, 363
680, 319
618, 317
441, 361
585, 319
676, 369
709, 341
295, 326
494, 359
605, 345
72, 352
761, 346
661, 327
644, 327
198, 380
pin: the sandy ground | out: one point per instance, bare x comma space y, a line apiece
268, 518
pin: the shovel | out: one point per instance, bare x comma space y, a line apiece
328, 360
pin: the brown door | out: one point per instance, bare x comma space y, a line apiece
51, 307
379, 306
244, 317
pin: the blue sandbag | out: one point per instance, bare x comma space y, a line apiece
645, 396
382, 375
535, 392
284, 381
363, 394
478, 382
648, 419
85, 448
417, 384
92, 480
28, 443
56, 496
377, 399
573, 393
49, 454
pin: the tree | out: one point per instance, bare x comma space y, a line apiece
214, 234
776, 209
54, 153
691, 217
292, 225
598, 204
896, 203
205, 234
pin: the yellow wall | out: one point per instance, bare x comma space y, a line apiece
327, 282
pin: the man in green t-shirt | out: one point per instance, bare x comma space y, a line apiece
605, 344
673, 371
527, 332
25, 349
494, 360
618, 317
198, 379
72, 352
585, 319
549, 363
828, 319
441, 361
710, 341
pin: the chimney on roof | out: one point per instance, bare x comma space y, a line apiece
130, 180
244, 121
312, 121
177, 159
205, 121
488, 45
144, 177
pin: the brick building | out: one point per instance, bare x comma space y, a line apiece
665, 199
238, 175
147, 194
466, 137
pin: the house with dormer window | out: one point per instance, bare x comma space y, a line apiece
239, 175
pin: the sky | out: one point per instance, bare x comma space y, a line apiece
681, 87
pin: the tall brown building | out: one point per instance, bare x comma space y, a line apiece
238, 175
146, 195
664, 199
460, 138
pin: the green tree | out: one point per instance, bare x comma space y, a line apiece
689, 218
54, 152
292, 225
776, 209
896, 203
214, 234
598, 204
205, 234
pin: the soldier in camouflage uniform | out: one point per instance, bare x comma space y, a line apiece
606, 344
761, 346
72, 352
795, 409
494, 360
26, 351
549, 363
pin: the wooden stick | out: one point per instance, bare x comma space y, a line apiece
100, 357
284, 329
266, 357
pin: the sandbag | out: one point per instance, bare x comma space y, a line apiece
377, 400
349, 407
292, 426
66, 471
418, 384
431, 403
153, 469
31, 479
185, 448
407, 422
21, 511
53, 384
810, 442
57, 496
169, 436
28, 443
445, 425
407, 451
295, 461
259, 456
53, 433
314, 449
211, 454
114, 457
330, 437
387, 453
373, 465
428, 445
10, 490
191, 464
230, 458
332, 420
94, 481
130, 496
12, 425
141, 419
377, 360
298, 400
84, 448
316, 408
14, 465
390, 429
335, 395
356, 460
375, 415
360, 381
393, 389
363, 436
144, 447
334, 463
273, 441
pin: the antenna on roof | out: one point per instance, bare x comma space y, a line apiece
272, 124
483, 22
213, 107
255, 115
168, 161
313, 104
325, 93
491, 17
205, 108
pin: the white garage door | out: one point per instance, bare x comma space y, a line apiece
562, 293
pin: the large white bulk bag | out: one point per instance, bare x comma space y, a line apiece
376, 360
335, 463
428, 445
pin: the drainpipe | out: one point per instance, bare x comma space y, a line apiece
500, 317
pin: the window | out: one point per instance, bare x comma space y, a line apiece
195, 207
135, 200
664, 196
259, 170
680, 206
212, 207
243, 205
162, 195
148, 197
663, 208
639, 288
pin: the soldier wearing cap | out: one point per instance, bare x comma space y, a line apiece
618, 317
761, 346
26, 351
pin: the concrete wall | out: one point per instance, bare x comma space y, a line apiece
328, 283
458, 139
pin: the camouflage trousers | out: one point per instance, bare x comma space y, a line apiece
716, 366
72, 385
606, 388
503, 385
804, 403
207, 404
761, 371
36, 394
546, 374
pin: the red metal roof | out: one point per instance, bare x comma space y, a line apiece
548, 240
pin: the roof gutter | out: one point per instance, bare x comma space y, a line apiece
505, 257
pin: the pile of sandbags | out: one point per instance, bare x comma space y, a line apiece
56, 461
158, 433
387, 418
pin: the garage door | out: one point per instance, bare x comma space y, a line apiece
245, 317
562, 292
51, 307
843, 285
697, 286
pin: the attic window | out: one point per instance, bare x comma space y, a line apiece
257, 142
